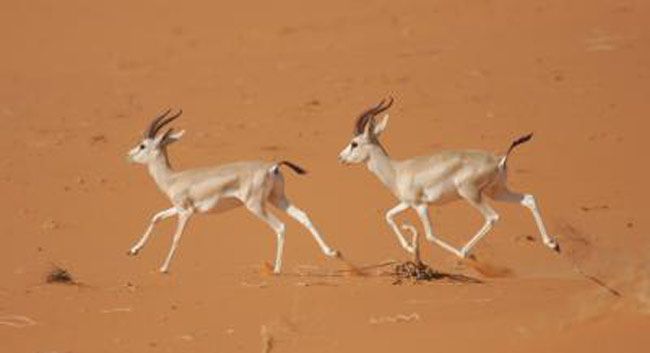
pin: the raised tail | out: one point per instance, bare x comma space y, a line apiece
514, 144
296, 168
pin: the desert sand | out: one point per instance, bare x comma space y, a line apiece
80, 80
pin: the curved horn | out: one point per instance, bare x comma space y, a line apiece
167, 121
364, 117
384, 107
367, 116
149, 132
164, 141
159, 122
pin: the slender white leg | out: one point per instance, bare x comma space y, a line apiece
423, 212
155, 219
183, 217
390, 218
528, 201
302, 218
491, 217
278, 227
414, 241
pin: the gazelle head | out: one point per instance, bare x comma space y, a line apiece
366, 134
151, 146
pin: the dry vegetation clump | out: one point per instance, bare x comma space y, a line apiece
417, 271
59, 275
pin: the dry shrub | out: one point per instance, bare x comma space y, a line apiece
59, 275
418, 271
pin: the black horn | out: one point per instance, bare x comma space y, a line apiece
367, 116
160, 121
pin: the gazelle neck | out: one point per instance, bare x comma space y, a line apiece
161, 171
382, 166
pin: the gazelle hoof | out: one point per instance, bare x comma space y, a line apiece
553, 245
556, 247
333, 253
409, 248
164, 270
464, 254
132, 252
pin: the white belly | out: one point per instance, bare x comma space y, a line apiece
440, 194
217, 205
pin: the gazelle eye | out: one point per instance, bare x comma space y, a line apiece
354, 145
142, 146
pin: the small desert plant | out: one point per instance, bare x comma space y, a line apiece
416, 271
59, 275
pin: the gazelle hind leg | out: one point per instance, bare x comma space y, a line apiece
299, 215
278, 199
474, 197
527, 200
277, 226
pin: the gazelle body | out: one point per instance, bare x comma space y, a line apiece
437, 179
251, 184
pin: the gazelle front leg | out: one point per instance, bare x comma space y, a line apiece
183, 217
155, 219
423, 212
474, 197
390, 218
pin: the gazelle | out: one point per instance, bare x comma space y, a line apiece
216, 189
437, 179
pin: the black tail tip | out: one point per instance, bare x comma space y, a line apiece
524, 138
296, 168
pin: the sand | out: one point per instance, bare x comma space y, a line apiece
284, 80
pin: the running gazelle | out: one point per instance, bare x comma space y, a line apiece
437, 179
251, 184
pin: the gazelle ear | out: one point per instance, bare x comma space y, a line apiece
177, 135
169, 137
379, 127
